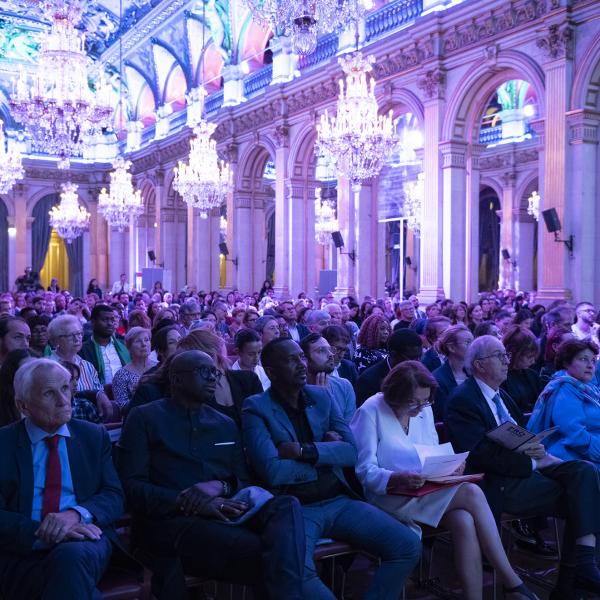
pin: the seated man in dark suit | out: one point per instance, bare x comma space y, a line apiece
403, 344
59, 493
298, 443
181, 462
524, 483
339, 340
434, 328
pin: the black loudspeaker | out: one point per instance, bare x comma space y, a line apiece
337, 238
223, 249
551, 219
151, 255
408, 261
505, 254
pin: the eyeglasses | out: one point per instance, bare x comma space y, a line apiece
501, 356
339, 349
72, 336
206, 372
420, 403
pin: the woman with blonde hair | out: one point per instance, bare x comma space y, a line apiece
233, 387
126, 379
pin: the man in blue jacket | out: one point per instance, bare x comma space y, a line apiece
298, 444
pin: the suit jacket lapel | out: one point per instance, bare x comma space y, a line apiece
25, 465
312, 414
487, 411
281, 416
76, 466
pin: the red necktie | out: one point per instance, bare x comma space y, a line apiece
51, 499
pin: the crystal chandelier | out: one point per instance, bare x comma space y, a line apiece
358, 140
325, 219
533, 205
69, 218
58, 108
204, 181
122, 203
11, 167
413, 204
305, 20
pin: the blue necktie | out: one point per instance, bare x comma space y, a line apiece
503, 415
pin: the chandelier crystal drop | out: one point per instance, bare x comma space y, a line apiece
325, 220
413, 204
57, 107
204, 181
305, 20
533, 205
122, 203
357, 140
69, 218
11, 166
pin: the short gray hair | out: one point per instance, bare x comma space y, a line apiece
479, 347
189, 307
58, 325
317, 315
133, 333
261, 322
26, 376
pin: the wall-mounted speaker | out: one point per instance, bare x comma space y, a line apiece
552, 220
223, 249
408, 261
337, 238
151, 255
505, 254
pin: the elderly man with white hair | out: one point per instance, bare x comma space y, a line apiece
317, 320
59, 493
530, 482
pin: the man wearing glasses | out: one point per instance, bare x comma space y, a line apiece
181, 463
526, 483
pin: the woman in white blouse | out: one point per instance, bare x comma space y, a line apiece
387, 427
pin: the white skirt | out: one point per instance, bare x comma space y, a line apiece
428, 509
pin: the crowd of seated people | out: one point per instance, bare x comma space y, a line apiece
259, 425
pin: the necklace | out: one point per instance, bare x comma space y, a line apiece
405, 427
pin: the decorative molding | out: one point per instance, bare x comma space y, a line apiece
242, 200
453, 154
583, 127
433, 83
281, 134
557, 42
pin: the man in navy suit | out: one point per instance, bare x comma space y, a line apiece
59, 493
298, 443
530, 482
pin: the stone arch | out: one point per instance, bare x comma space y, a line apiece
472, 93
40, 195
302, 159
586, 86
9, 204
529, 183
401, 101
251, 165
493, 184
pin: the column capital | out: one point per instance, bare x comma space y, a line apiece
454, 154
295, 188
231, 153
583, 126
557, 42
433, 83
281, 133
242, 200
509, 179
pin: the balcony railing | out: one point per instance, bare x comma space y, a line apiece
258, 80
392, 16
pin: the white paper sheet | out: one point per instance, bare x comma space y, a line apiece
439, 461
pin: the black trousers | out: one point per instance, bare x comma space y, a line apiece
266, 552
69, 571
570, 490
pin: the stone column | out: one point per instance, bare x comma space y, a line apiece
12, 242
583, 171
298, 265
159, 195
366, 246
432, 83
282, 213
507, 229
556, 42
21, 223
242, 241
472, 221
346, 210
525, 225
454, 213
259, 237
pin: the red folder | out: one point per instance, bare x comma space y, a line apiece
431, 486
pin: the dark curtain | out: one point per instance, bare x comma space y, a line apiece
41, 231
270, 266
394, 237
489, 240
75, 254
3, 247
